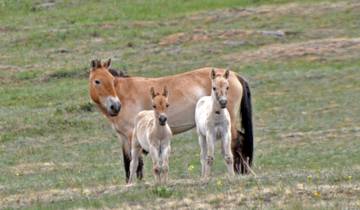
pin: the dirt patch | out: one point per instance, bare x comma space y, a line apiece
298, 9
236, 34
235, 197
340, 48
53, 195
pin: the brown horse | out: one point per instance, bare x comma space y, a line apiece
121, 97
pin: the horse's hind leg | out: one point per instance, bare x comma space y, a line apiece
203, 153
227, 154
236, 150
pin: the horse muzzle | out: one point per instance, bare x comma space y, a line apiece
162, 120
114, 107
223, 103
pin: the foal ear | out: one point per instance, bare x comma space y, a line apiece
95, 64
152, 92
213, 73
227, 73
107, 63
166, 92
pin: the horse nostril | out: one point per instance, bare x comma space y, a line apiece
115, 107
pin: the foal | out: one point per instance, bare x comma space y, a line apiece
152, 133
212, 122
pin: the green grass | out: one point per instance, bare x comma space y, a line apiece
57, 151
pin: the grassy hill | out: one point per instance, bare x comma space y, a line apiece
302, 59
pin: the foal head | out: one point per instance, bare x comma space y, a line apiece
160, 104
220, 87
102, 89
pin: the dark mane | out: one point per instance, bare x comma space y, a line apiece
118, 73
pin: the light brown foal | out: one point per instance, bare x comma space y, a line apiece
152, 133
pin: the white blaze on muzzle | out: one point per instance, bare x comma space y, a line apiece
112, 105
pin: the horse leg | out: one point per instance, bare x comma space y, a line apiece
210, 141
226, 152
240, 164
165, 162
154, 153
203, 153
236, 150
135, 153
127, 158
139, 170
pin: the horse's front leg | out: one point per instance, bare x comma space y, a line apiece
210, 142
154, 153
203, 153
226, 152
126, 150
165, 154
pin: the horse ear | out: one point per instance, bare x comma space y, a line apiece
166, 92
213, 74
152, 92
227, 73
95, 64
107, 63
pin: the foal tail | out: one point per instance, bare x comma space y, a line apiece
246, 139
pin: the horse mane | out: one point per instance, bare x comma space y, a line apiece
118, 73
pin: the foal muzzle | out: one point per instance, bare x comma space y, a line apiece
162, 120
223, 103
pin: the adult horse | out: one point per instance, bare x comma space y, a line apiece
120, 98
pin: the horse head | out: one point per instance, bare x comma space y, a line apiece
220, 87
160, 105
102, 88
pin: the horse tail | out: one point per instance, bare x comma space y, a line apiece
247, 138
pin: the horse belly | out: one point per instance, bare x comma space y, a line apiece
182, 118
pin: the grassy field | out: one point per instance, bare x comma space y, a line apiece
302, 60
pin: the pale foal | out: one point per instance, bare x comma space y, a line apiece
152, 133
213, 122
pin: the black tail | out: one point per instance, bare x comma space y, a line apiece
246, 139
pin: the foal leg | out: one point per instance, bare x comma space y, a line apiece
210, 141
154, 153
135, 153
227, 154
165, 154
203, 153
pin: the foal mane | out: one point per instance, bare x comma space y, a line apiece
118, 73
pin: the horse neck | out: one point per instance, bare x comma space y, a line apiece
158, 130
123, 84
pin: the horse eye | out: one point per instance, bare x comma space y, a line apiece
154, 106
214, 88
167, 105
97, 82
227, 88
